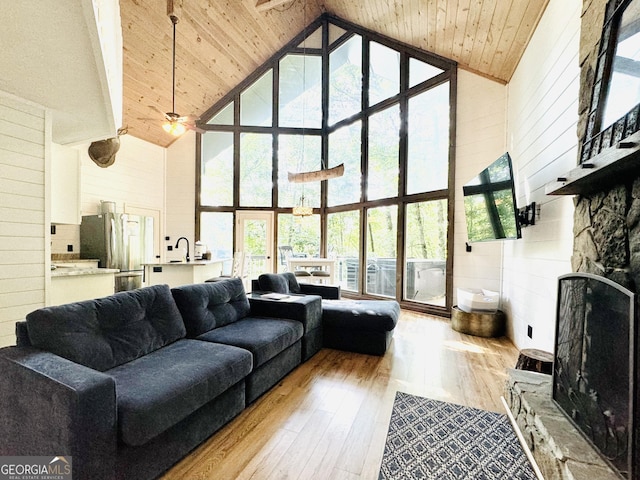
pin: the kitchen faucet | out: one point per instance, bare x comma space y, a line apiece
186, 240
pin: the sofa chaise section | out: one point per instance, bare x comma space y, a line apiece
362, 326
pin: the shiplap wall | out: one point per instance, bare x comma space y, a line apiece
480, 139
25, 132
181, 190
542, 112
137, 177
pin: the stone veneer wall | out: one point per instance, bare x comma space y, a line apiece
607, 223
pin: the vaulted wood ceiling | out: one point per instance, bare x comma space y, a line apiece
220, 42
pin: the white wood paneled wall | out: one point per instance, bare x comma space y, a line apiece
25, 132
136, 178
135, 182
542, 115
181, 190
480, 139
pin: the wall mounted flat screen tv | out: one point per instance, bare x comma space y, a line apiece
490, 203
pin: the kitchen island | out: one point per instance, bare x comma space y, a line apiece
176, 274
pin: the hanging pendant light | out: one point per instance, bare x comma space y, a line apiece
172, 125
302, 210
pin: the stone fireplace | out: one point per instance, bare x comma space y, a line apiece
606, 185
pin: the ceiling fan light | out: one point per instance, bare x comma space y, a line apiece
174, 128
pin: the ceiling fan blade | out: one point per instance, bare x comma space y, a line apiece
189, 118
193, 127
153, 107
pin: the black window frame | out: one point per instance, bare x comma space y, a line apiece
448, 74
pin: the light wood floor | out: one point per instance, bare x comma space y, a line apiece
328, 419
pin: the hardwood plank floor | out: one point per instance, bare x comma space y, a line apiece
328, 418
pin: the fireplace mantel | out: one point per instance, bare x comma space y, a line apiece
611, 166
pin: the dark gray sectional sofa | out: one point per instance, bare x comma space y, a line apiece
128, 384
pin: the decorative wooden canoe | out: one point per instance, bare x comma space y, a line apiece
317, 175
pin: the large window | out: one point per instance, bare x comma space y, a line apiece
297, 237
382, 250
345, 147
343, 242
216, 232
383, 166
298, 153
428, 156
426, 252
345, 80
217, 169
341, 96
255, 170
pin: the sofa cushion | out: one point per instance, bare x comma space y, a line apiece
263, 337
158, 390
294, 286
205, 306
277, 282
109, 331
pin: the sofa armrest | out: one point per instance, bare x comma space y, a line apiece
327, 292
53, 406
304, 308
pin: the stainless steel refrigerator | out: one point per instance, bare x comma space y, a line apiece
119, 240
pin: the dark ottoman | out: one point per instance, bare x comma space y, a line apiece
362, 326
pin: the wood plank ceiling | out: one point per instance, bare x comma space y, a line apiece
220, 42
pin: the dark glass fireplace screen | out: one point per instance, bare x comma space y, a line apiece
594, 368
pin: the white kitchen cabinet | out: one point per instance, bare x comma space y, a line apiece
74, 285
65, 185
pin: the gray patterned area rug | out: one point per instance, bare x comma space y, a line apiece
431, 439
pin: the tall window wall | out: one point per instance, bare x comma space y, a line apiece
339, 94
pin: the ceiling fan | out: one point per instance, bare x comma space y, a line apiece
176, 124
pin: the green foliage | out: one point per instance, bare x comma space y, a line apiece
301, 234
426, 230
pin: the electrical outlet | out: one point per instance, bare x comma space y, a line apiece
529, 331
167, 239
53, 229
69, 248
170, 248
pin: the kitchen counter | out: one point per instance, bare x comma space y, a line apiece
74, 271
193, 263
176, 274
